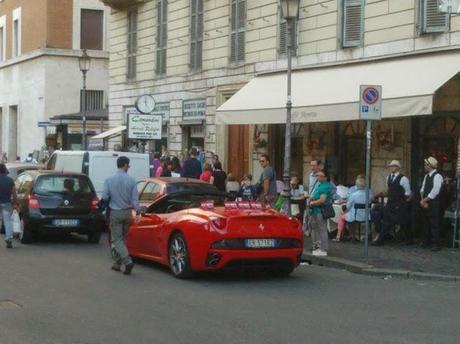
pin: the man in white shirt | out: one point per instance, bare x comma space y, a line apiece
430, 204
396, 211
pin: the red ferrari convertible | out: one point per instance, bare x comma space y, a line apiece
193, 229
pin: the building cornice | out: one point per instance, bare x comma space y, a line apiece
52, 52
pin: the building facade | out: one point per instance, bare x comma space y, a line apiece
40, 42
194, 55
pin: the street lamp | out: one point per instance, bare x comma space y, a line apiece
84, 62
290, 12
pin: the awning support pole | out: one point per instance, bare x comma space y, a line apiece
287, 138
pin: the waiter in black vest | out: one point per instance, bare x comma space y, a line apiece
431, 207
396, 211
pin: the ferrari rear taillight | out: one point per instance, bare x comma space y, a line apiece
94, 203
33, 202
219, 223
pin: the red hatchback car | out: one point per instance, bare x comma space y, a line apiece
190, 226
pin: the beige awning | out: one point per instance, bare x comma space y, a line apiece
109, 133
332, 93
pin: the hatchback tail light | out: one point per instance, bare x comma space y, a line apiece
33, 202
94, 203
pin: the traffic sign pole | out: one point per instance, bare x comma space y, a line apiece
368, 180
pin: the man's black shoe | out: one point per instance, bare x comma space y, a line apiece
9, 244
128, 268
436, 248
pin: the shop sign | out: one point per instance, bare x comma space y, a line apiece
162, 109
144, 127
197, 131
194, 109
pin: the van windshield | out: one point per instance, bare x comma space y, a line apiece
63, 184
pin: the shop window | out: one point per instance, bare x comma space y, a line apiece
352, 23
431, 19
196, 35
91, 29
238, 31
132, 44
162, 36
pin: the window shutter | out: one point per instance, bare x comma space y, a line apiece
233, 46
132, 44
433, 20
238, 27
241, 49
352, 23
283, 37
196, 34
162, 36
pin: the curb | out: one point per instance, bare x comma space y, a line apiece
369, 270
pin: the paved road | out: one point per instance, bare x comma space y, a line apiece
68, 294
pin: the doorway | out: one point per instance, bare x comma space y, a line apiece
238, 150
353, 155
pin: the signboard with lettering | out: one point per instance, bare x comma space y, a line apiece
194, 109
144, 127
162, 109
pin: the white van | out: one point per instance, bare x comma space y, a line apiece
98, 165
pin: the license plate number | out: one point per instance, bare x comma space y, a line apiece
260, 243
66, 223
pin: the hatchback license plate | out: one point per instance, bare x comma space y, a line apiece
260, 243
66, 223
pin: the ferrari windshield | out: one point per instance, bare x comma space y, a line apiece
185, 200
191, 187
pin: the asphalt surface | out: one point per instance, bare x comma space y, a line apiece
63, 291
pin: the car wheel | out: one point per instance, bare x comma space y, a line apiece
94, 238
25, 236
179, 260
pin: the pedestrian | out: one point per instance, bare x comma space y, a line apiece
267, 181
120, 192
30, 159
214, 159
315, 166
430, 204
176, 170
247, 191
163, 167
4, 158
192, 167
207, 173
321, 196
155, 164
218, 177
396, 211
166, 172
298, 202
8, 201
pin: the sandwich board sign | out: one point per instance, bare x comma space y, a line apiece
370, 102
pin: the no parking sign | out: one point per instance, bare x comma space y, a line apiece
370, 102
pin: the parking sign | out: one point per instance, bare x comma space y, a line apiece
370, 102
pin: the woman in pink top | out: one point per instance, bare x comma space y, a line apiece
207, 173
163, 167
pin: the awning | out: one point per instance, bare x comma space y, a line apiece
109, 133
92, 115
332, 93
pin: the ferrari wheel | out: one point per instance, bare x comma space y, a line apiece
179, 261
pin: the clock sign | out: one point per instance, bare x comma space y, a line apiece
145, 104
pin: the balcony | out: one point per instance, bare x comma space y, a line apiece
122, 4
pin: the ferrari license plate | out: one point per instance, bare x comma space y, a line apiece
260, 243
66, 223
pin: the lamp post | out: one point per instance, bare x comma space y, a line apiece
290, 12
84, 62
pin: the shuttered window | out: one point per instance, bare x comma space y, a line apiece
352, 29
132, 44
92, 29
196, 34
282, 47
162, 36
433, 20
94, 100
238, 31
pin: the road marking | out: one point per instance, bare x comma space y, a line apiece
8, 304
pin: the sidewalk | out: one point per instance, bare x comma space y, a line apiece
392, 259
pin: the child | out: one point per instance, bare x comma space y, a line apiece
247, 191
207, 173
232, 186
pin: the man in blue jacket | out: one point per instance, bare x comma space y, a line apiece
192, 167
